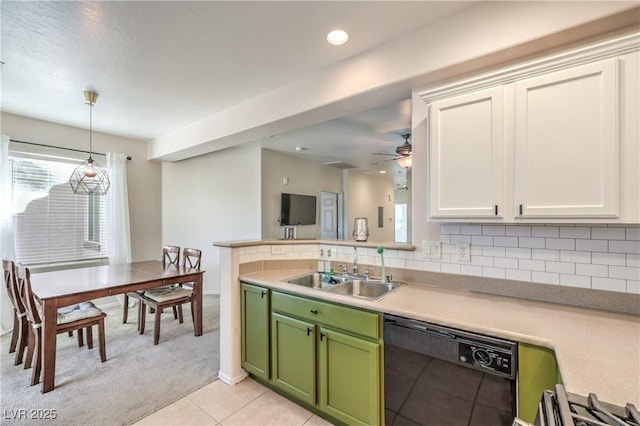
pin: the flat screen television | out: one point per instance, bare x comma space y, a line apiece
298, 209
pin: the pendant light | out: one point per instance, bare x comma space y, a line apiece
90, 177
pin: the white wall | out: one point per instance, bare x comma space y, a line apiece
215, 197
305, 178
143, 176
365, 194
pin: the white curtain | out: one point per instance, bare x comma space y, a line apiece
6, 230
117, 198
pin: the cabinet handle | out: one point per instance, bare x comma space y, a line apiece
496, 210
262, 294
520, 209
309, 331
314, 312
321, 336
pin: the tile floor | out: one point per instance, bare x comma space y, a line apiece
247, 403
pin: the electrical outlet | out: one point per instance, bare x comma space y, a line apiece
431, 249
463, 251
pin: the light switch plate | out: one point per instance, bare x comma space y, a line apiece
431, 249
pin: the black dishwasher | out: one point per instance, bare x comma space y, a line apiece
440, 376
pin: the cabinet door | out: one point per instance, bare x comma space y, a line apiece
466, 155
537, 372
293, 366
349, 371
255, 330
566, 143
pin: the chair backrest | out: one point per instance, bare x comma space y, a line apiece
171, 255
191, 258
24, 283
11, 282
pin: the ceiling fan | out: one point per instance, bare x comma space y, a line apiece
403, 153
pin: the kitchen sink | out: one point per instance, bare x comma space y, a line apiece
346, 285
366, 289
318, 280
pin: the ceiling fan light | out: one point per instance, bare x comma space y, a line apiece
405, 161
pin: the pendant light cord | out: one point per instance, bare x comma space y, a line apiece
90, 129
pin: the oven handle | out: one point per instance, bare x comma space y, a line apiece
419, 326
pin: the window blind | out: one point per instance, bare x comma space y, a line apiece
51, 223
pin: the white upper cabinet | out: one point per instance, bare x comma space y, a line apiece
556, 140
467, 134
566, 143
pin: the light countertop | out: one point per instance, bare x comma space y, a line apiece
597, 351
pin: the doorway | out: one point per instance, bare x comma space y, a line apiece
330, 216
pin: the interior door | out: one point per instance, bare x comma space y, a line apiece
329, 216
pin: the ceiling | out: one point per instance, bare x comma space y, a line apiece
159, 66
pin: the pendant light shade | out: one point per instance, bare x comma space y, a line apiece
90, 177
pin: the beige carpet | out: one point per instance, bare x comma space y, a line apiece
137, 379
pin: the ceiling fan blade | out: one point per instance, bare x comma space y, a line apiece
382, 153
383, 161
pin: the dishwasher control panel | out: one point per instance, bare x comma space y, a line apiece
486, 357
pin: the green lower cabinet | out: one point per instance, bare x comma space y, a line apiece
255, 330
537, 371
349, 370
293, 366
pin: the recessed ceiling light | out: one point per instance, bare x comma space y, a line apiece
337, 37
383, 171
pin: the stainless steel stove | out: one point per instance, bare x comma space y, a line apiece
562, 408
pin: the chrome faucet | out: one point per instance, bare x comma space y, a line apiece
355, 261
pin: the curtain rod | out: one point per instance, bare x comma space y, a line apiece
59, 147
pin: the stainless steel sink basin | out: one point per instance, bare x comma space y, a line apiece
372, 290
318, 280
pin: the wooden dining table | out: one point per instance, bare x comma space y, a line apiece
62, 288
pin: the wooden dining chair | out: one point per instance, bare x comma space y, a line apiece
170, 256
172, 296
19, 335
70, 318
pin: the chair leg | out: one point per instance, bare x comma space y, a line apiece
156, 327
22, 343
37, 367
125, 309
90, 337
103, 350
142, 314
175, 313
15, 334
30, 348
80, 338
71, 333
180, 318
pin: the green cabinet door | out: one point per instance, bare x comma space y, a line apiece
255, 330
537, 371
349, 371
293, 355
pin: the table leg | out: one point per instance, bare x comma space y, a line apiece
50, 319
197, 305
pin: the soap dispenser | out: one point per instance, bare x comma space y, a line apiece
321, 261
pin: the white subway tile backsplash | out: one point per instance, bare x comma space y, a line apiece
518, 231
633, 286
531, 242
480, 240
545, 277
520, 253
609, 258
560, 267
633, 234
592, 245
471, 229
518, 275
450, 268
414, 264
575, 256
609, 284
575, 232
592, 270
494, 230
476, 250
450, 229
432, 266
545, 231
607, 233
632, 247
624, 272
471, 270
532, 265
490, 272
493, 251
505, 262
445, 239
544, 254
633, 260
575, 281
561, 243
482, 260
460, 239
505, 241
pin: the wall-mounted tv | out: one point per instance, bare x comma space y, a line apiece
298, 209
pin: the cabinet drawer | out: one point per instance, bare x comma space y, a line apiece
348, 319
